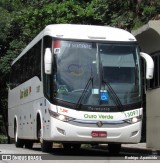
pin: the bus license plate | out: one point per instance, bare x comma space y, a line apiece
101, 134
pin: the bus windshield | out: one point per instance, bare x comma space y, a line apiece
81, 67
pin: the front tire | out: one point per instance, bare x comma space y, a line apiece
114, 149
46, 146
28, 144
19, 143
69, 146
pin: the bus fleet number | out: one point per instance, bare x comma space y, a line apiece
132, 113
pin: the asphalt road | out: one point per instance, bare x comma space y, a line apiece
89, 155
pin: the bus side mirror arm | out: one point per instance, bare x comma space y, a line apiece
48, 61
149, 65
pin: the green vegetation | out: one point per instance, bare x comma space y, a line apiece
3, 139
22, 20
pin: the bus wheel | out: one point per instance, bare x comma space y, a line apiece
114, 149
69, 146
18, 142
46, 146
28, 144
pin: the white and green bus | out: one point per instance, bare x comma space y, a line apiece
77, 84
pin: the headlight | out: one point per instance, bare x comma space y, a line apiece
60, 117
134, 119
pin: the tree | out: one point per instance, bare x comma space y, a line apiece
6, 15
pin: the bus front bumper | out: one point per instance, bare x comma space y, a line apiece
64, 132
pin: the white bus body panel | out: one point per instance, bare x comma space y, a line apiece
83, 134
130, 133
23, 104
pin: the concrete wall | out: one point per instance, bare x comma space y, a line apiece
148, 37
153, 118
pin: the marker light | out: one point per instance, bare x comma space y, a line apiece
60, 117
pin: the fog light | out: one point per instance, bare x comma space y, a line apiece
61, 131
134, 133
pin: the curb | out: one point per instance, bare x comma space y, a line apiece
131, 149
147, 151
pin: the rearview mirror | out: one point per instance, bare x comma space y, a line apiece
149, 65
48, 61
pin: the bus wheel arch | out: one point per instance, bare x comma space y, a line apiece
46, 146
18, 142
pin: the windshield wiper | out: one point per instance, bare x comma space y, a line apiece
79, 103
112, 93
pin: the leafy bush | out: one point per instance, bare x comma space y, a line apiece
3, 139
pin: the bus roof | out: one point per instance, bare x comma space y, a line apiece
81, 32
88, 32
